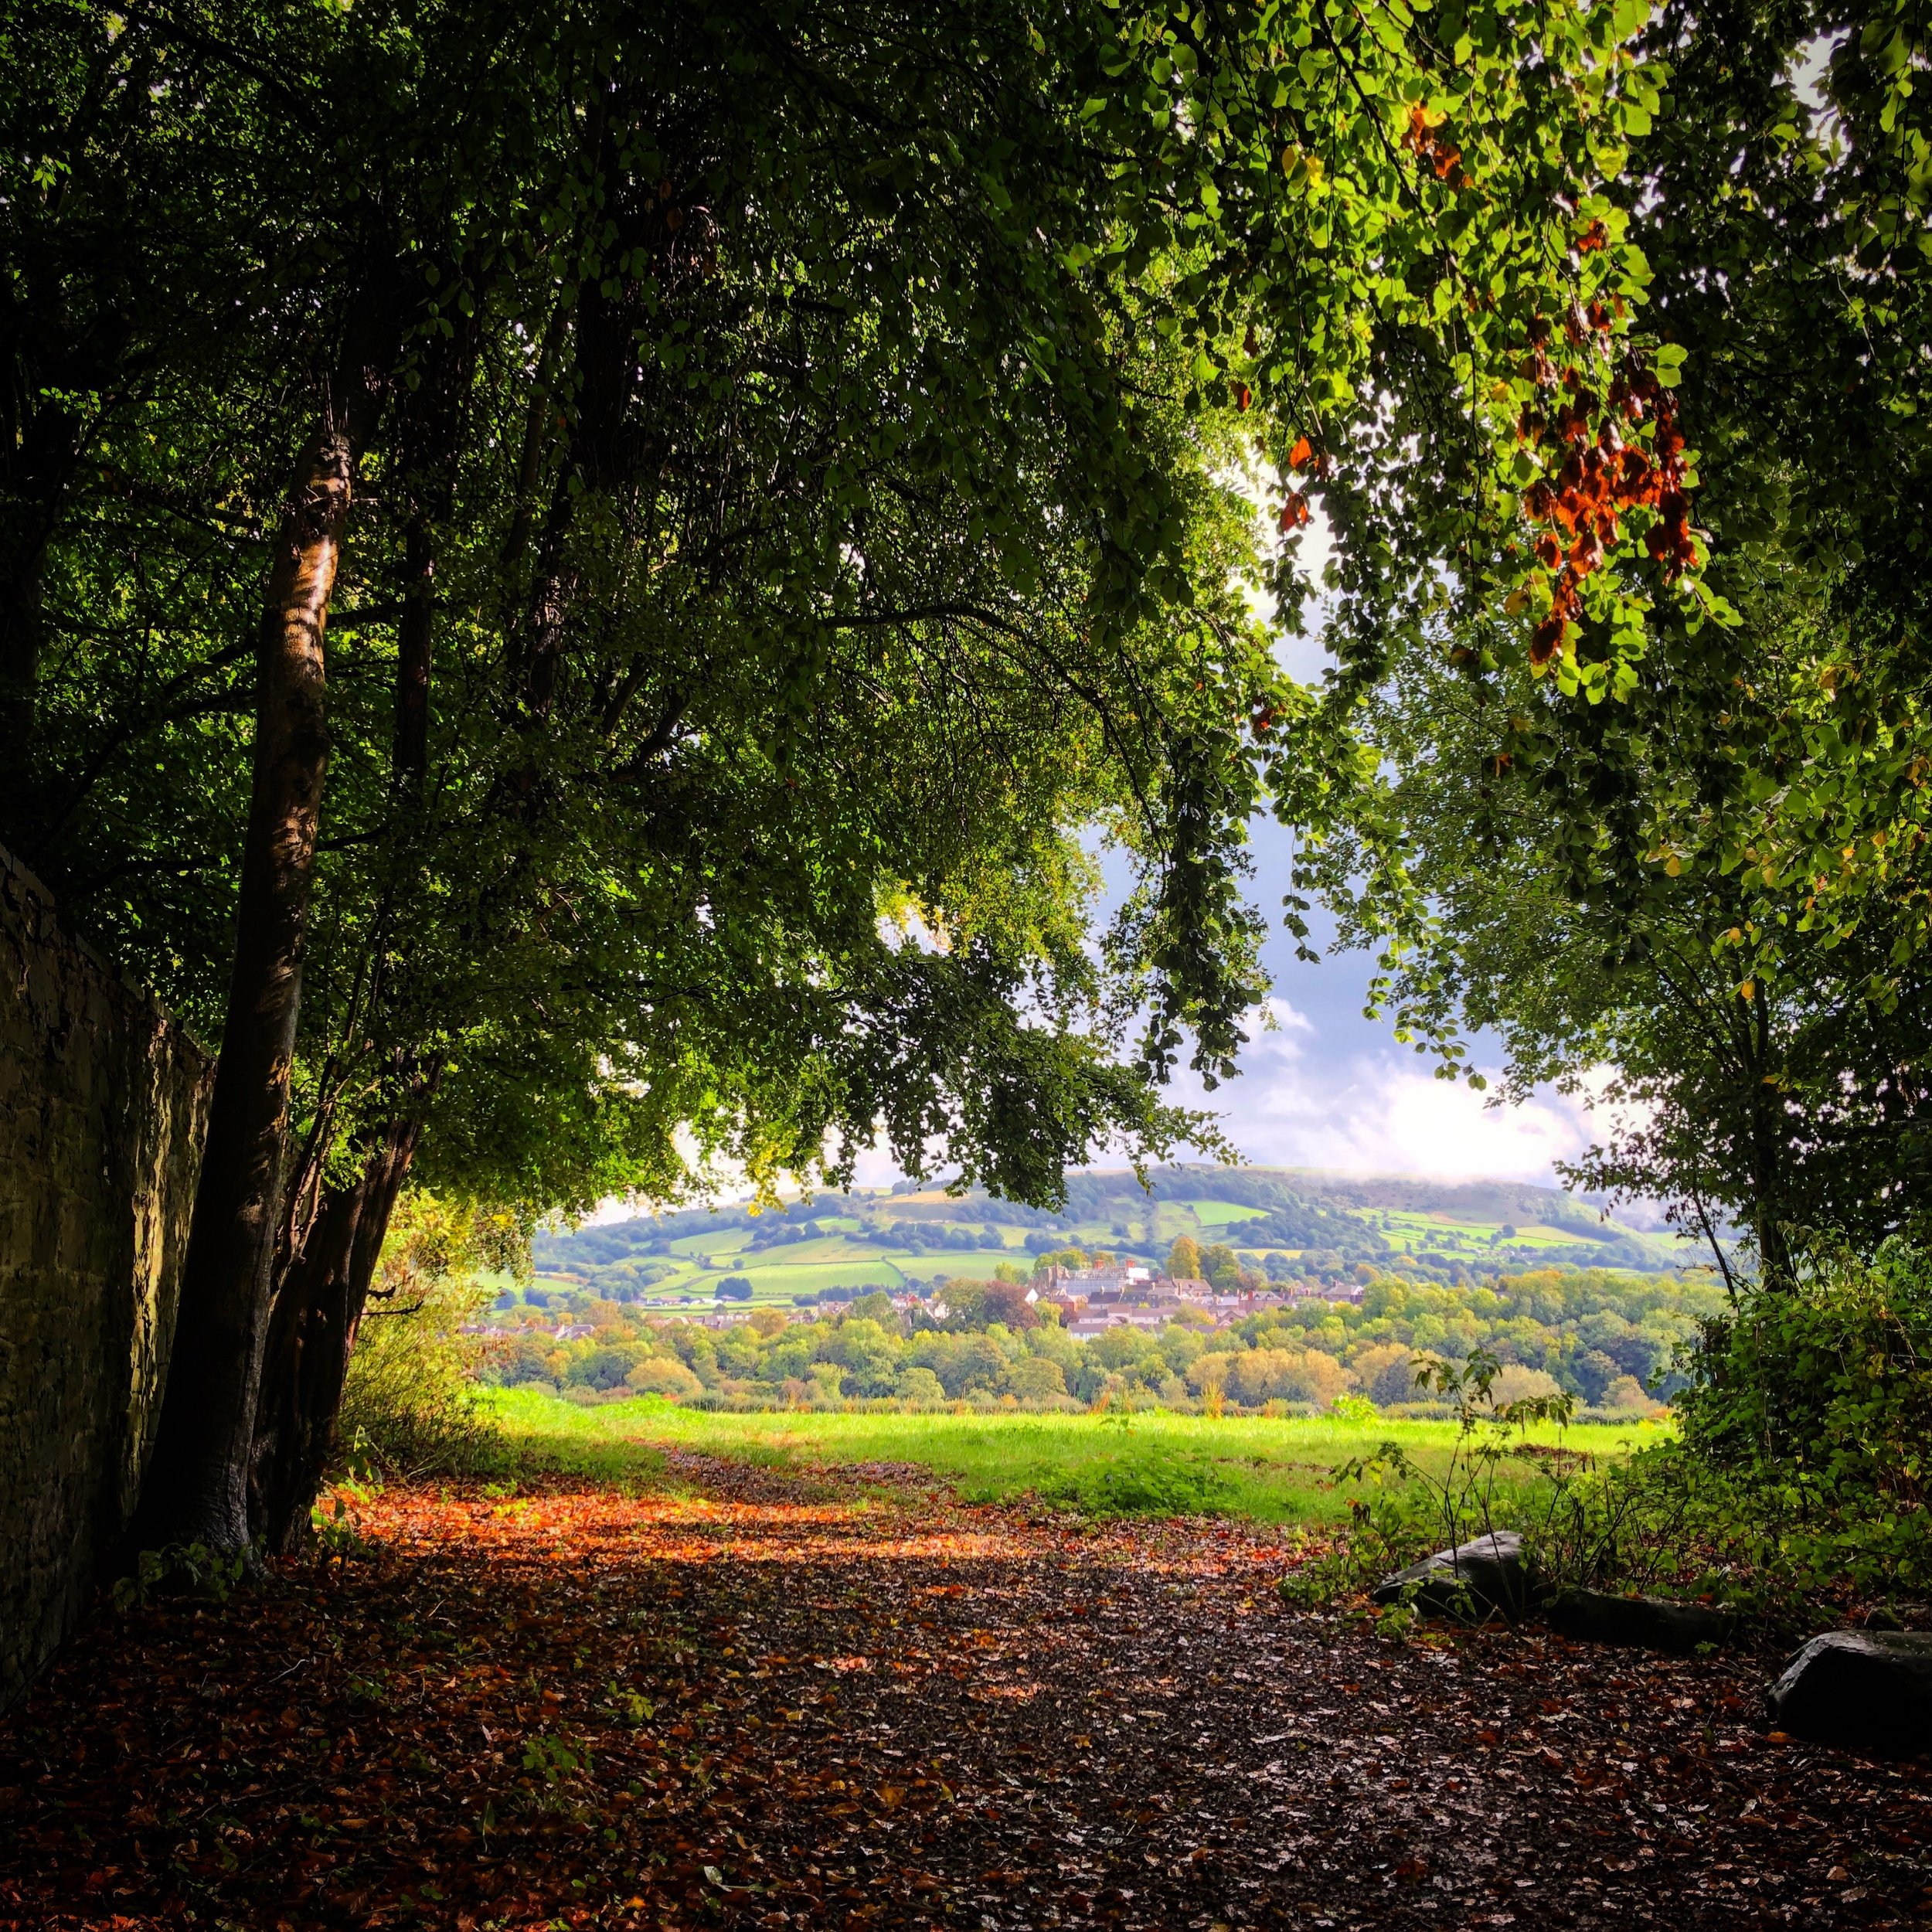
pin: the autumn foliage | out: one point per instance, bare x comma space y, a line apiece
1604, 473
1429, 139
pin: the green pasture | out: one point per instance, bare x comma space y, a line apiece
820, 1265
1217, 1214
1407, 1231
778, 1281
1148, 1464
723, 1241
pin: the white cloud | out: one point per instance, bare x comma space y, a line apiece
1287, 1019
1374, 1114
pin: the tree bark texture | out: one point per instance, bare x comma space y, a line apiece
318, 1307
197, 1485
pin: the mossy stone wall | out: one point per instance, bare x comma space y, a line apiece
103, 1103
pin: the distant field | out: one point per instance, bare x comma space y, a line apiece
1458, 1235
1447, 1235
1151, 1464
726, 1241
1218, 1214
780, 1280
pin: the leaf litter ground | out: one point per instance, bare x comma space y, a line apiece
745, 1699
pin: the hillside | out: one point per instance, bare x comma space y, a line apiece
1289, 1224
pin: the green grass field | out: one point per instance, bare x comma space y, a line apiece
1154, 1464
1221, 1214
780, 1281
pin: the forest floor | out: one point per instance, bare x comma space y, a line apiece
741, 1696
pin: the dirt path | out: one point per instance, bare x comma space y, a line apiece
767, 1702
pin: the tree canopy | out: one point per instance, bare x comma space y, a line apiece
1710, 887
581, 586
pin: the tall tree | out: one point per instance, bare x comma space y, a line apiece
822, 528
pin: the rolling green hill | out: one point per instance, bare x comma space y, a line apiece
1289, 1224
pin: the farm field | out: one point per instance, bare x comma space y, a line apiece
1294, 1226
1220, 1214
784, 1281
1410, 1231
1254, 1468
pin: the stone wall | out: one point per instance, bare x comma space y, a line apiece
102, 1102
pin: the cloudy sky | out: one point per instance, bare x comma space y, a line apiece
1326, 1088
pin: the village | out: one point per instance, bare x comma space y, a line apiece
1084, 1301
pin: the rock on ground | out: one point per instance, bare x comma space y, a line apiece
1478, 1578
1865, 1688
1647, 1622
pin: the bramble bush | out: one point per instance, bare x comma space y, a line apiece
1796, 1485
1810, 1412
1828, 1379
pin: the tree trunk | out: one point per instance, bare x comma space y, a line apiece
325, 1283
311, 1336
197, 1486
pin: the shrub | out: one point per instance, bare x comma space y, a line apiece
410, 1405
1036, 1379
1135, 1482
1797, 1487
1814, 1402
664, 1376
1405, 1507
1830, 1376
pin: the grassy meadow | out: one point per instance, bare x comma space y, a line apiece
1151, 1462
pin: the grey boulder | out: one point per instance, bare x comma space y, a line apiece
1644, 1622
1869, 1688
1476, 1578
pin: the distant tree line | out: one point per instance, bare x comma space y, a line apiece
1610, 1340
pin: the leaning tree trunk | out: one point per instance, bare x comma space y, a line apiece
324, 1283
196, 1488
318, 1309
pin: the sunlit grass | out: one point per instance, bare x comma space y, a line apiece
1256, 1467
